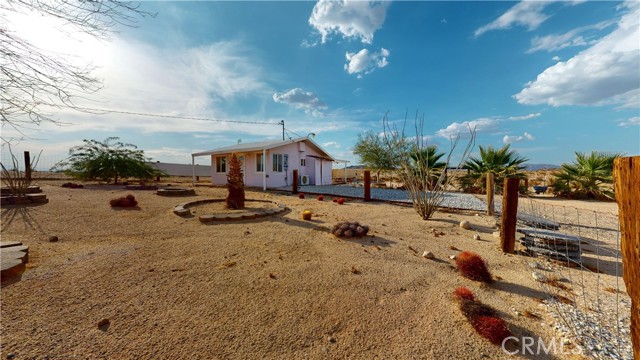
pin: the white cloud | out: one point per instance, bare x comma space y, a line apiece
486, 124
351, 19
556, 42
525, 117
525, 13
300, 99
634, 121
605, 73
556, 58
479, 125
512, 139
332, 144
364, 61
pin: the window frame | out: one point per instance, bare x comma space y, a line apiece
260, 165
277, 163
222, 163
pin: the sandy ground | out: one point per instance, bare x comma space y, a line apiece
280, 287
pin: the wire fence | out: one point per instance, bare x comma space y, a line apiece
575, 256
41, 162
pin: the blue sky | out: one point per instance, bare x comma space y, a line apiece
550, 78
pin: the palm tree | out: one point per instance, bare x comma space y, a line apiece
501, 162
588, 177
427, 164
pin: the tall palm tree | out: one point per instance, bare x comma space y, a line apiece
426, 164
589, 176
501, 163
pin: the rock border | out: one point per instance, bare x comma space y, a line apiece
175, 192
183, 210
141, 187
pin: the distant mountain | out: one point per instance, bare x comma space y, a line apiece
536, 167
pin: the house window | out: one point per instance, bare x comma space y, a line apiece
259, 163
303, 162
277, 162
221, 164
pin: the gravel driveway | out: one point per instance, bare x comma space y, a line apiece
451, 200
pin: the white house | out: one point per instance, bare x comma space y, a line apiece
313, 163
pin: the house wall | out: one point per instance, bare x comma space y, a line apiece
276, 179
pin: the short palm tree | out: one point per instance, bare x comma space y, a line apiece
501, 162
588, 177
426, 164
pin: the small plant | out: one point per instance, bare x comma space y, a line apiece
491, 328
306, 215
301, 195
484, 319
335, 200
463, 293
125, 201
347, 229
72, 185
320, 198
340, 201
235, 184
473, 267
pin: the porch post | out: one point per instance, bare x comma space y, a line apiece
193, 170
264, 169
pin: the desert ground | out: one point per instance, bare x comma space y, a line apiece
276, 287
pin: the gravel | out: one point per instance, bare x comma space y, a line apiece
451, 199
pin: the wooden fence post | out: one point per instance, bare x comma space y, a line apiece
367, 185
626, 175
509, 214
294, 186
27, 166
490, 192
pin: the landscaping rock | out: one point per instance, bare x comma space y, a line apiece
476, 237
465, 224
539, 277
453, 257
534, 265
53, 238
428, 255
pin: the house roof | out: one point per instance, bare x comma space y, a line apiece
262, 145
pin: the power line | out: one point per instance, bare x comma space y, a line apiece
180, 117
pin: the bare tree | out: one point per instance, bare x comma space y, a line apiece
412, 166
34, 81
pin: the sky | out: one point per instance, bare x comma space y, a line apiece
549, 78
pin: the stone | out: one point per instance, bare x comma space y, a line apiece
534, 265
11, 355
453, 257
331, 339
207, 218
104, 323
476, 237
496, 234
465, 224
428, 255
53, 238
539, 277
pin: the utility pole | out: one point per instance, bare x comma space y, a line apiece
282, 123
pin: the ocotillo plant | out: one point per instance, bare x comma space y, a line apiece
235, 184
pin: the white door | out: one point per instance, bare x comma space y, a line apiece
318, 172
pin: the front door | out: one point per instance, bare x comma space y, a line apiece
318, 171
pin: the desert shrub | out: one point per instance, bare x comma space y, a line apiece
340, 201
484, 319
320, 198
235, 184
463, 293
125, 201
345, 229
335, 200
301, 195
473, 267
72, 185
491, 328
